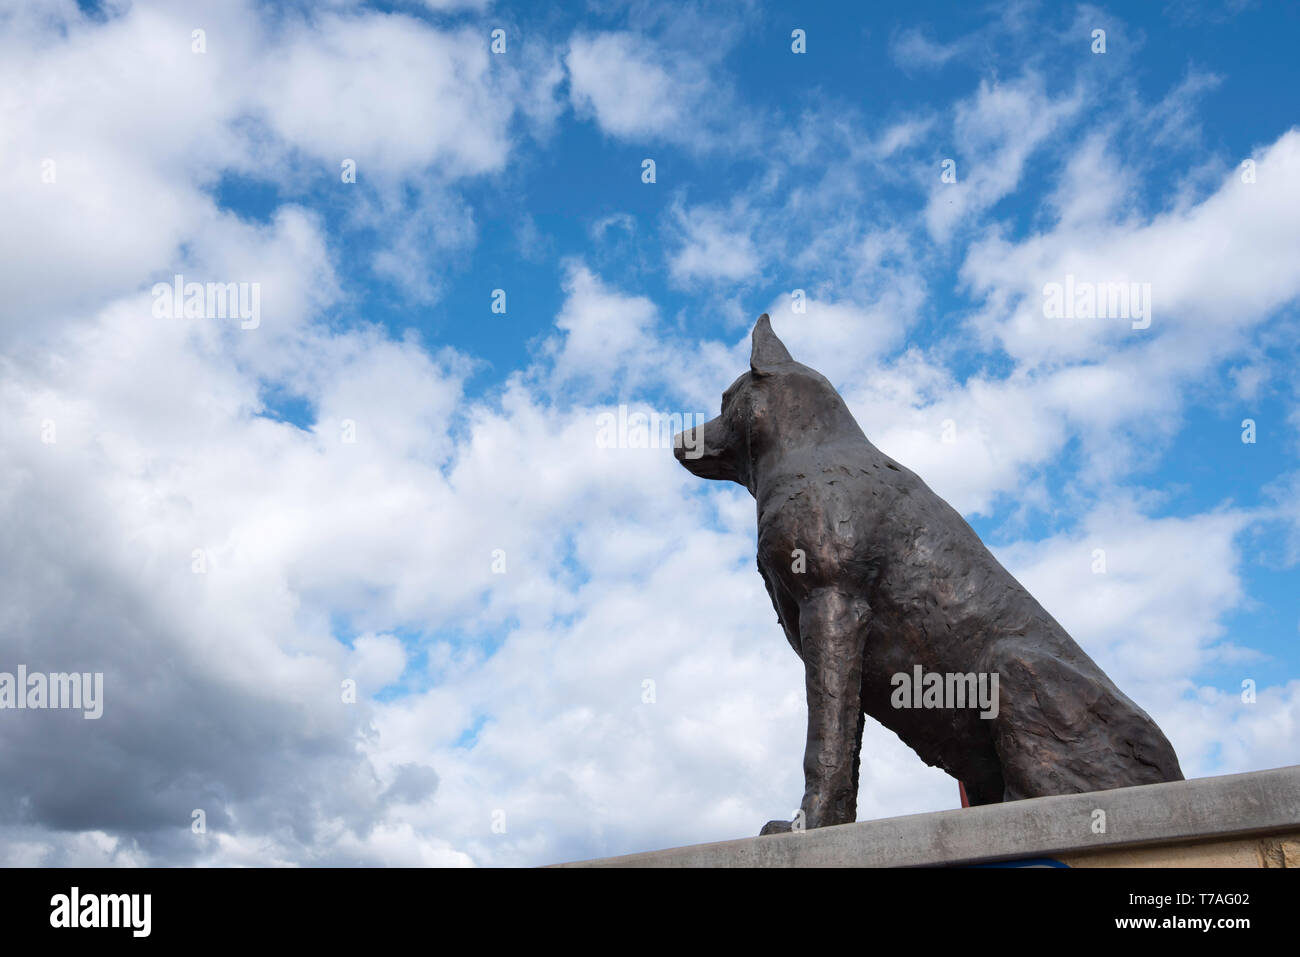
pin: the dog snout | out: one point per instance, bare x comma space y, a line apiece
686, 441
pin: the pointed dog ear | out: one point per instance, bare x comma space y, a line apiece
767, 351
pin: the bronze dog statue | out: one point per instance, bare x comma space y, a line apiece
876, 579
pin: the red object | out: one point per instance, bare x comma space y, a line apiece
965, 801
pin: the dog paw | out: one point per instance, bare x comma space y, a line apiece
776, 827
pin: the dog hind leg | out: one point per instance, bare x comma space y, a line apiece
1063, 728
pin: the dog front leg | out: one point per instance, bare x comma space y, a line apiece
833, 632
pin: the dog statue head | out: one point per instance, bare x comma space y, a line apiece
777, 406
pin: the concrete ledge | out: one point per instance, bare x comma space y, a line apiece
1220, 809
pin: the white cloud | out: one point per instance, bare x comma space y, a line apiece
715, 246
623, 81
1145, 596
376, 662
912, 48
994, 133
137, 152
841, 339
901, 135
647, 90
411, 96
1215, 268
604, 330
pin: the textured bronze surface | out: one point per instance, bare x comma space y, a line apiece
892, 578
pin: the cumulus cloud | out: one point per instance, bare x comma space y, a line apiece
715, 245
640, 88
620, 79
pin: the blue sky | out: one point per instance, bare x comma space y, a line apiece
520, 688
